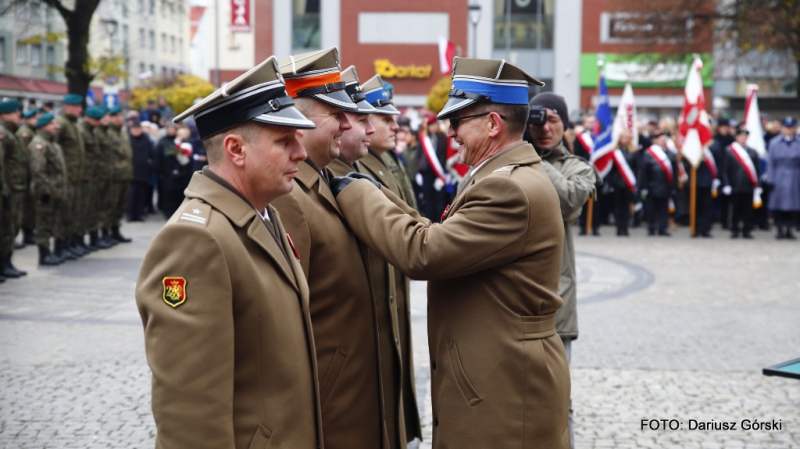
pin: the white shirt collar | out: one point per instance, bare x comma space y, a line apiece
265, 215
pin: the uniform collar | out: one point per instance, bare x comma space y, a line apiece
205, 186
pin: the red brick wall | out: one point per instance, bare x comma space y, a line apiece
363, 56
262, 14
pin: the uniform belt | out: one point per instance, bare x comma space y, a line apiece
537, 327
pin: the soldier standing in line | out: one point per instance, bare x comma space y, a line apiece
72, 146
89, 182
384, 120
25, 134
16, 170
342, 310
103, 179
121, 174
353, 151
49, 186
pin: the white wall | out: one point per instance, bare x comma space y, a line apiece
567, 51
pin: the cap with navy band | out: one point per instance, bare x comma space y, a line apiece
489, 81
377, 95
353, 89
258, 95
317, 75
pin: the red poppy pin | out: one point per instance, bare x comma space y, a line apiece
446, 210
291, 243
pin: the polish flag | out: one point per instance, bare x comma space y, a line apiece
694, 127
752, 122
447, 51
626, 116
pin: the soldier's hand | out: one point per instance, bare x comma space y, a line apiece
364, 176
45, 198
338, 183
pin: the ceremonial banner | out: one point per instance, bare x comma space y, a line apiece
694, 127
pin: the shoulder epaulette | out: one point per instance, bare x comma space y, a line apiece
195, 211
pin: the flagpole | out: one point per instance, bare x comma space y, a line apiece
692, 201
590, 201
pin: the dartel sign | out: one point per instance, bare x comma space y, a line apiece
386, 69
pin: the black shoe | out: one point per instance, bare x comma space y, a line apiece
780, 234
75, 247
96, 241
2, 279
651, 232
115, 233
28, 236
747, 235
595, 232
790, 235
64, 251
582, 232
734, 235
10, 271
46, 257
664, 234
707, 235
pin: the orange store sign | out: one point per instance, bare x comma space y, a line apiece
386, 69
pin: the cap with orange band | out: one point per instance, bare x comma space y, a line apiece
316, 75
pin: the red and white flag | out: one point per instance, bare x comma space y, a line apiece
430, 155
626, 116
752, 122
447, 51
694, 127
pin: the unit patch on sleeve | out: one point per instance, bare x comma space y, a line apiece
174, 291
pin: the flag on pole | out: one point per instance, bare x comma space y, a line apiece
752, 122
447, 51
603, 142
694, 127
626, 115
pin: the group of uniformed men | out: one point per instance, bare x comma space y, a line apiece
275, 301
63, 177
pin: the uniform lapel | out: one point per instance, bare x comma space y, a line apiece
310, 178
241, 214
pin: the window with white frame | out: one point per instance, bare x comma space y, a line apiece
36, 55
22, 53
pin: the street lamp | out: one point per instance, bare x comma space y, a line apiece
111, 29
474, 18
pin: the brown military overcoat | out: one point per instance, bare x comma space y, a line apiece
342, 312
499, 372
376, 167
233, 363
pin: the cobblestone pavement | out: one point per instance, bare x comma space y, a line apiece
671, 328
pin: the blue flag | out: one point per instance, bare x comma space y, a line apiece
603, 130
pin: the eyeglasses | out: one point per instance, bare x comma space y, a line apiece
456, 121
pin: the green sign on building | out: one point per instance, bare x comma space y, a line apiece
643, 69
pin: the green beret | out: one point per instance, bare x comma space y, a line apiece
73, 99
115, 110
9, 106
44, 119
95, 112
30, 113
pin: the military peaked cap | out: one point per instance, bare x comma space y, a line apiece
317, 75
258, 95
378, 96
489, 81
350, 79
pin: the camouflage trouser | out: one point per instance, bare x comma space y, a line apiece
110, 194
120, 206
48, 220
29, 211
100, 205
69, 222
85, 205
12, 219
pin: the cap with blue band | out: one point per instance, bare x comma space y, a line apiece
376, 95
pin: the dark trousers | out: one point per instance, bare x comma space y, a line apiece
138, 200
657, 213
761, 215
785, 218
434, 201
742, 211
622, 209
704, 210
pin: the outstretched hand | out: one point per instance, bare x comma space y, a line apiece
338, 183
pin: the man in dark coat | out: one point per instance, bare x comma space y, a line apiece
722, 139
783, 173
740, 176
657, 183
142, 148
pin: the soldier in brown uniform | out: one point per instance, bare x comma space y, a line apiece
221, 294
498, 369
16, 169
341, 302
353, 151
72, 146
25, 134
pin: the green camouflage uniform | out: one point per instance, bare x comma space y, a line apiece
122, 173
89, 185
16, 170
25, 135
3, 186
71, 143
107, 142
400, 174
49, 182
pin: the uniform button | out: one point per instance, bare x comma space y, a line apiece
391, 299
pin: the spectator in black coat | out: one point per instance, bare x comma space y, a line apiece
658, 181
143, 153
175, 169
